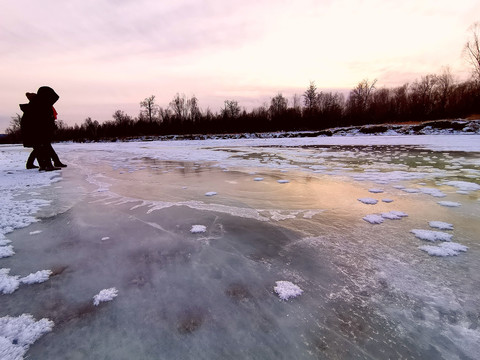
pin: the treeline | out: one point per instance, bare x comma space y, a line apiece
429, 98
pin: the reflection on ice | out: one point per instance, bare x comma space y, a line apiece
201, 276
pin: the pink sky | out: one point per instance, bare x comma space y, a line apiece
107, 55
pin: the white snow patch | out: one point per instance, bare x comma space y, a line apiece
464, 185
410, 190
449, 203
430, 235
198, 229
373, 219
444, 249
286, 290
376, 191
283, 181
394, 215
8, 283
35, 232
368, 201
441, 225
433, 192
6, 251
37, 277
18, 333
387, 200
105, 238
258, 179
210, 193
105, 295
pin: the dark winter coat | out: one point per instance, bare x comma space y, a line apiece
38, 121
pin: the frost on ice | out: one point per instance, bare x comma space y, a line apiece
105, 295
368, 201
286, 290
198, 229
18, 333
441, 225
444, 249
430, 235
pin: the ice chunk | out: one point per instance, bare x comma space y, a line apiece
258, 179
441, 225
286, 290
373, 219
18, 333
198, 229
430, 235
375, 191
6, 251
105, 295
283, 181
444, 249
210, 193
37, 277
449, 203
8, 284
368, 201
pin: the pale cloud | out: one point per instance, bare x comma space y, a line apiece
103, 55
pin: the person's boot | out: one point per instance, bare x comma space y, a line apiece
31, 166
59, 164
46, 165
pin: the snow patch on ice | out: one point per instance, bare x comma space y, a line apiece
430, 235
6, 251
8, 283
258, 179
444, 249
464, 185
210, 193
105, 238
449, 203
35, 232
394, 215
387, 200
376, 191
18, 333
283, 181
198, 229
286, 290
433, 192
37, 277
368, 201
105, 295
441, 225
373, 219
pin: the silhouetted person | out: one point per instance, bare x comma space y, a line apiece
38, 126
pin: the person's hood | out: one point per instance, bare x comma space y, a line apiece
47, 95
24, 107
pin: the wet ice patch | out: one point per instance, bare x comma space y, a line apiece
105, 295
373, 219
444, 249
449, 203
441, 225
18, 333
198, 229
430, 235
210, 193
37, 277
286, 290
368, 201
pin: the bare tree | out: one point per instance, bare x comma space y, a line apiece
278, 105
231, 109
472, 50
150, 109
179, 106
14, 127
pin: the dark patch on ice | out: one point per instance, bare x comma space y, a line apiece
238, 292
190, 321
58, 270
62, 312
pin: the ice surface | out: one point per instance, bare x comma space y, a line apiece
444, 249
198, 229
430, 235
286, 290
368, 201
441, 225
17, 334
105, 295
449, 203
374, 219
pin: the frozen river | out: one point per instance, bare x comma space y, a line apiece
318, 248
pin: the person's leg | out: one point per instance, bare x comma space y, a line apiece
54, 157
30, 161
43, 158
